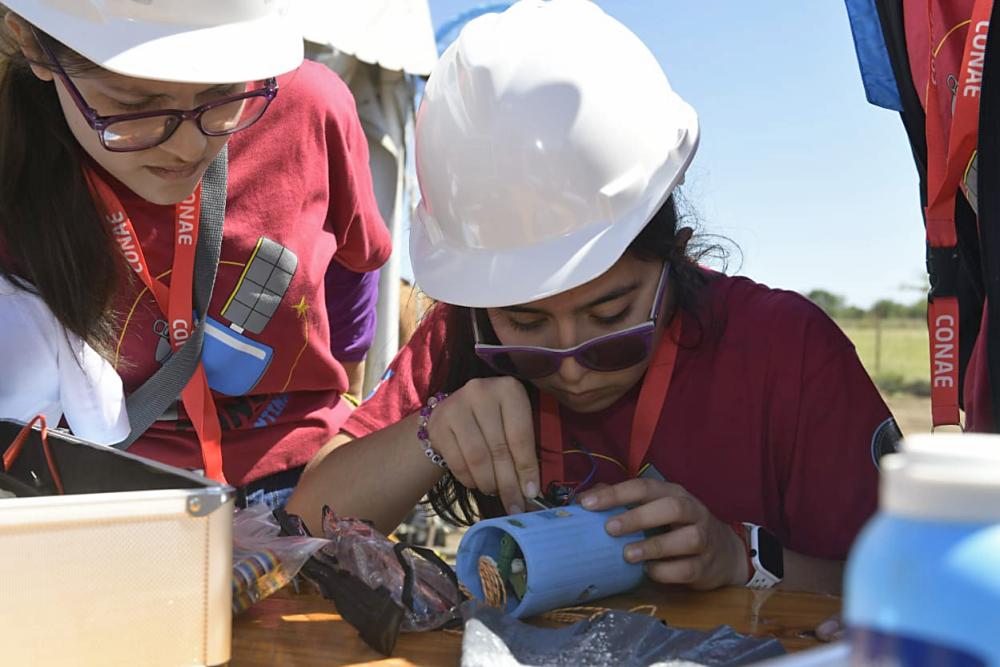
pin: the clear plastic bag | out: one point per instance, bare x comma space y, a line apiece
264, 561
621, 638
419, 582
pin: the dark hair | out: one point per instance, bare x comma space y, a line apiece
52, 239
458, 363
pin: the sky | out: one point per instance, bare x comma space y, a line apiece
815, 186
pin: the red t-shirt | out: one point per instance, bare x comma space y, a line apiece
977, 399
770, 417
299, 194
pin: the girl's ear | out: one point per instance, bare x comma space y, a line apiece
682, 238
29, 45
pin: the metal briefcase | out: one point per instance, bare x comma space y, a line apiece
132, 566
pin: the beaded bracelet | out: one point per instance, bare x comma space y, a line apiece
422, 434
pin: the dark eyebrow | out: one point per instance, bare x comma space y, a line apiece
124, 90
610, 296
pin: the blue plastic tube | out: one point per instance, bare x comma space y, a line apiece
569, 558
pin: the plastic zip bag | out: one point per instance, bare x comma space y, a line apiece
429, 602
377, 598
264, 561
620, 638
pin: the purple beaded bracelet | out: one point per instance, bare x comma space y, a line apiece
423, 435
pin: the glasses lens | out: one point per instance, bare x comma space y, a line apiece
523, 363
617, 353
136, 134
234, 116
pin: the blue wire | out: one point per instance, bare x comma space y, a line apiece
589, 477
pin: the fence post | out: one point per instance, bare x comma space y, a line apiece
878, 343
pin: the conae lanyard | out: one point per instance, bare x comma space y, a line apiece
175, 301
649, 407
943, 181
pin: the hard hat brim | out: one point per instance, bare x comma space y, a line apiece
245, 51
489, 278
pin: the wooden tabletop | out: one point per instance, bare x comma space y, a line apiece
302, 630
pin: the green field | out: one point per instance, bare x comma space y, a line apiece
900, 363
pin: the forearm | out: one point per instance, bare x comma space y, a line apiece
355, 377
814, 575
379, 477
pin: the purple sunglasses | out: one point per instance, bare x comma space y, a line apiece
129, 132
611, 352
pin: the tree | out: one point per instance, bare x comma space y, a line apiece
832, 304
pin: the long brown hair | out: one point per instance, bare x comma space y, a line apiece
458, 363
52, 240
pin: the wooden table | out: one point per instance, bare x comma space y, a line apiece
304, 630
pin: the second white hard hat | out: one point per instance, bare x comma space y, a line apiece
547, 138
191, 41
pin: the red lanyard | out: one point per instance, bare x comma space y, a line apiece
175, 302
652, 398
943, 181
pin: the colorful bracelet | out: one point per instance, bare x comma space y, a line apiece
422, 434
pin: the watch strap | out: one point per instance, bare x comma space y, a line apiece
760, 576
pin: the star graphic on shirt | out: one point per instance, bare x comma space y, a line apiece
301, 307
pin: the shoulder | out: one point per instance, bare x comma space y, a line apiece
315, 90
25, 320
433, 328
779, 318
745, 299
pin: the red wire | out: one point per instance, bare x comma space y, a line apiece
15, 450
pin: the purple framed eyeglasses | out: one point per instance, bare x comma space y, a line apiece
611, 352
129, 132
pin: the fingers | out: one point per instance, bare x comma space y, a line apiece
444, 441
518, 428
475, 451
490, 423
701, 552
678, 571
486, 435
665, 511
689, 540
632, 492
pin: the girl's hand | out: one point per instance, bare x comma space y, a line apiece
695, 549
484, 432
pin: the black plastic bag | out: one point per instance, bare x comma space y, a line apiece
373, 612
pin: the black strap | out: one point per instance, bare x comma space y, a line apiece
148, 403
409, 570
956, 273
989, 204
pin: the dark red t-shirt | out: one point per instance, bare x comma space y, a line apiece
770, 417
299, 194
976, 396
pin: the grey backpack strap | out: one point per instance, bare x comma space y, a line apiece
147, 403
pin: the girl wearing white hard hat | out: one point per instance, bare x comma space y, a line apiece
578, 352
131, 136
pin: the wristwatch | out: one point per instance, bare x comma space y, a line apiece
766, 556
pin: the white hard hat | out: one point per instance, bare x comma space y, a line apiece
548, 136
191, 41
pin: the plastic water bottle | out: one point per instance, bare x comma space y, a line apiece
923, 580
566, 557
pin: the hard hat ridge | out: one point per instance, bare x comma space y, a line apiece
547, 138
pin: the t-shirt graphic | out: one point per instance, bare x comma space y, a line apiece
298, 199
234, 362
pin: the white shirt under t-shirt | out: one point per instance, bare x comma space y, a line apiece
46, 370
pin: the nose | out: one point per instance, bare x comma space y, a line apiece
570, 371
188, 143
